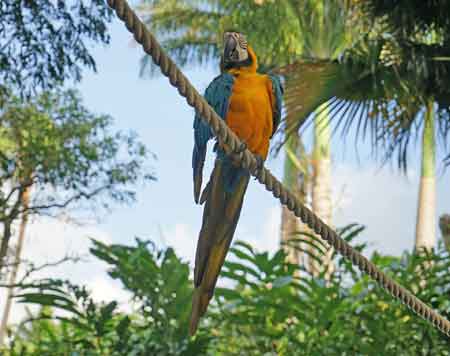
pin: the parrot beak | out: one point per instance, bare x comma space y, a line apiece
230, 54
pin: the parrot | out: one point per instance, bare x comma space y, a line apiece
250, 103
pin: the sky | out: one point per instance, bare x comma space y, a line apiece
380, 198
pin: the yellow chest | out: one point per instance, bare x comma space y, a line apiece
250, 111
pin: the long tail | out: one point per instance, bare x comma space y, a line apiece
224, 198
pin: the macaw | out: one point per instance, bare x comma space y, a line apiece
251, 104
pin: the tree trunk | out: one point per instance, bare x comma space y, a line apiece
296, 181
444, 225
426, 209
321, 189
4, 245
15, 267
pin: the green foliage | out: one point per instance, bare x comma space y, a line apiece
45, 42
324, 27
159, 283
68, 156
410, 16
160, 288
191, 31
282, 312
88, 329
53, 140
266, 307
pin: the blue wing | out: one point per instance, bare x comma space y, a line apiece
217, 94
278, 91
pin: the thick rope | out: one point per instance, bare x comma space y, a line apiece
230, 143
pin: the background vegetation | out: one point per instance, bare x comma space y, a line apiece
265, 306
379, 70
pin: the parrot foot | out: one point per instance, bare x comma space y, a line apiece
259, 164
241, 149
237, 152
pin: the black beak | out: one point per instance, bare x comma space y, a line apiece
229, 52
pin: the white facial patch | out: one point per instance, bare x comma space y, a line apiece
241, 47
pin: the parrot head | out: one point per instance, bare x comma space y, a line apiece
235, 52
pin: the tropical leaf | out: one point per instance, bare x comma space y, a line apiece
379, 85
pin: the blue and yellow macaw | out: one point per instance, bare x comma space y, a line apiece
250, 103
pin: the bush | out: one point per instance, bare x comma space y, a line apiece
271, 307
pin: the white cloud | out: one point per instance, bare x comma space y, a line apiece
271, 233
106, 290
183, 239
264, 236
383, 200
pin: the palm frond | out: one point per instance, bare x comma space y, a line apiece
323, 25
374, 95
409, 16
191, 31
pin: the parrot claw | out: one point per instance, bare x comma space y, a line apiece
237, 152
204, 194
241, 149
259, 164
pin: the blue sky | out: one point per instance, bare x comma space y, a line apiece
381, 199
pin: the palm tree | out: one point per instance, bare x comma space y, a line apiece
296, 176
426, 207
323, 24
421, 41
393, 83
